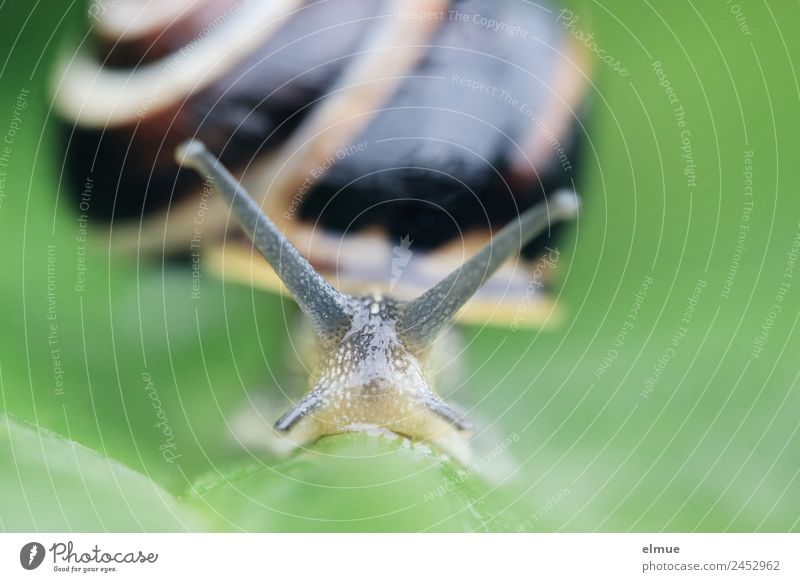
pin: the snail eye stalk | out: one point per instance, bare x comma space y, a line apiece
324, 306
427, 316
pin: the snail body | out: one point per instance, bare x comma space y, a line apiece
373, 365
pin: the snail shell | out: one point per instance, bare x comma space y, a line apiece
386, 138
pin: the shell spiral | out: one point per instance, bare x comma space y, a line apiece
415, 120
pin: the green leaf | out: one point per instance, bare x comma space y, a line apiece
50, 483
350, 483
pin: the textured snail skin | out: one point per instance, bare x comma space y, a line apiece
369, 377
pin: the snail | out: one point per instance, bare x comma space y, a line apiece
387, 141
372, 353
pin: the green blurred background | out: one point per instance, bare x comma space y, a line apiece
708, 441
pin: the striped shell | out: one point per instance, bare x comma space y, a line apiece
386, 138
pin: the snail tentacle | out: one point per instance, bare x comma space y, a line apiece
427, 316
325, 307
306, 406
444, 411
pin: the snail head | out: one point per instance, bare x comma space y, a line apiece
373, 352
